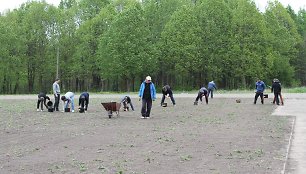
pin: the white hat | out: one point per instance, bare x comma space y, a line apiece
148, 78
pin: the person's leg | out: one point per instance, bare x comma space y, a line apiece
163, 99
206, 98
212, 94
172, 98
276, 98
41, 103
261, 97
82, 103
72, 104
86, 105
208, 92
38, 102
56, 102
281, 98
256, 97
143, 107
149, 106
198, 97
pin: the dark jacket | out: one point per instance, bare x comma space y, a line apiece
166, 90
276, 87
85, 96
43, 95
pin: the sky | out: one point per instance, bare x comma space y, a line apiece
261, 4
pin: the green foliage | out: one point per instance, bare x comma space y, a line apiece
105, 45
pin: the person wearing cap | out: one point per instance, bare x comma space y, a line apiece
202, 92
125, 101
56, 92
277, 89
42, 97
260, 88
167, 92
147, 93
211, 87
67, 99
83, 101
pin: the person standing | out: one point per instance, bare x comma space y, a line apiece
67, 99
211, 87
147, 93
56, 92
83, 101
42, 97
277, 89
125, 101
167, 92
260, 88
202, 92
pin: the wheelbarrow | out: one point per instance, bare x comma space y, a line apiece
111, 107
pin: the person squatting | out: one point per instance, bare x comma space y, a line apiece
42, 97
202, 92
167, 92
125, 101
67, 99
83, 102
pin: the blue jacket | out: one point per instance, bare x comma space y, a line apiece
260, 86
211, 85
152, 89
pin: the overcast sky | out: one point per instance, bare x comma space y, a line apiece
261, 4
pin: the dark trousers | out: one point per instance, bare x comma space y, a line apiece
84, 104
146, 107
276, 98
56, 102
41, 101
261, 97
171, 97
200, 95
211, 93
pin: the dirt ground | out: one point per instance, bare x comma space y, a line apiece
221, 137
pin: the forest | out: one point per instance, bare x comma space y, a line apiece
112, 45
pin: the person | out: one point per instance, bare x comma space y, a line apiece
277, 88
125, 101
67, 99
166, 90
83, 101
202, 92
211, 87
42, 97
56, 92
147, 93
260, 88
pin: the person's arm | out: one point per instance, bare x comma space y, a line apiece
153, 91
132, 105
141, 90
54, 88
45, 99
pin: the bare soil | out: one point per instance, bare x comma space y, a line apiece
221, 137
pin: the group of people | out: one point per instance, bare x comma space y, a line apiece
276, 88
147, 94
68, 99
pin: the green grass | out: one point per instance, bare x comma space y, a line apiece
294, 90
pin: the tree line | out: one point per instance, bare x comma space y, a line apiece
112, 45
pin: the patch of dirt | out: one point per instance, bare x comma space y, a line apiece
221, 137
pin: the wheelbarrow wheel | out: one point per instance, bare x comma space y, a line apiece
110, 113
